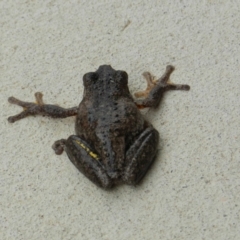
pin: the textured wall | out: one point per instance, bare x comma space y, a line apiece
192, 190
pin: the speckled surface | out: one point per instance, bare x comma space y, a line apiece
192, 191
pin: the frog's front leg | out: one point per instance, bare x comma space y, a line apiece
85, 159
140, 156
39, 108
156, 88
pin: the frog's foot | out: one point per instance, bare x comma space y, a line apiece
156, 88
151, 83
29, 108
58, 146
39, 108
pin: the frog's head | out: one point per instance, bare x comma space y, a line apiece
106, 81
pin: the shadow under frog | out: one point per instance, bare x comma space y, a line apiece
113, 144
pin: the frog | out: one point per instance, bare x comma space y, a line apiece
114, 144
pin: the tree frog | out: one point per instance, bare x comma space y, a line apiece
113, 143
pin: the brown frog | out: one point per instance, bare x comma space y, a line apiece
113, 143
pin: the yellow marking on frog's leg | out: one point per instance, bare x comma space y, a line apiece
92, 154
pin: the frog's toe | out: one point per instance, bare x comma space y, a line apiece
18, 102
151, 83
12, 100
39, 98
170, 68
58, 146
11, 119
19, 116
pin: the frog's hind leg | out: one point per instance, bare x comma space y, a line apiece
84, 159
140, 156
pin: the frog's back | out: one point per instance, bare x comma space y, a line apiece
120, 117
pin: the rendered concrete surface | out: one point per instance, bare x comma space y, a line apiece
192, 190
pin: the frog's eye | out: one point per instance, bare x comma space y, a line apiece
90, 78
122, 77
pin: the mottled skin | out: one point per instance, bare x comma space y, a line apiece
113, 143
